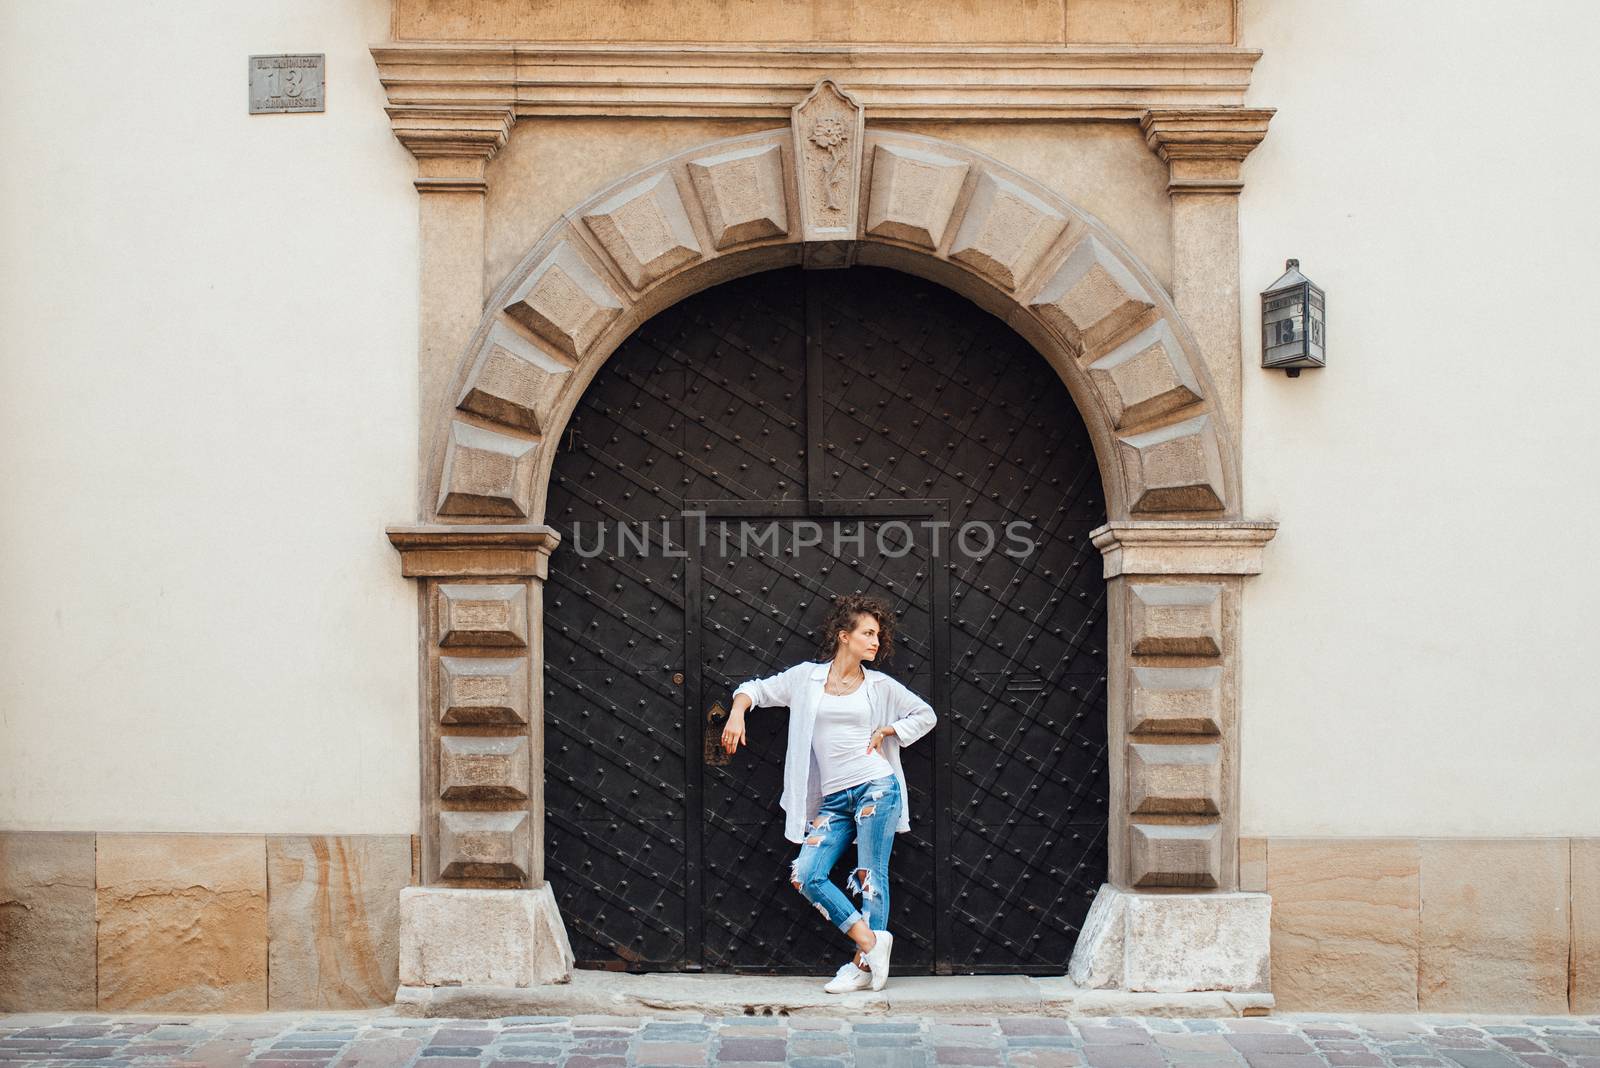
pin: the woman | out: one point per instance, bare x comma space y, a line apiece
841, 773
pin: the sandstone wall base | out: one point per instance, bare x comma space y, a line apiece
1174, 943
497, 938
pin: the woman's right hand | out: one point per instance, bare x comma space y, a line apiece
733, 733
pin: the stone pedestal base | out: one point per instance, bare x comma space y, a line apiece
1174, 943
501, 938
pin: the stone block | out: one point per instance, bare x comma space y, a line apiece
913, 194
483, 690
1585, 926
486, 473
1253, 864
484, 845
1092, 296
565, 301
483, 769
483, 614
334, 919
1150, 22
1346, 924
506, 938
1005, 231
512, 381
743, 194
1175, 620
1495, 932
1146, 376
645, 230
47, 922
1098, 956
182, 922
1174, 779
1181, 942
1168, 700
1174, 943
1175, 854
1174, 468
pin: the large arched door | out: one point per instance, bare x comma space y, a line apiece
746, 456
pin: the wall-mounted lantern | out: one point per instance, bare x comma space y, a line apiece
1292, 327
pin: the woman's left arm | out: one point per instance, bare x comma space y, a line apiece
910, 716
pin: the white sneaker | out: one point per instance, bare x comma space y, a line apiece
848, 978
878, 959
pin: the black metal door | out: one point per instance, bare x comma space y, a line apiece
860, 396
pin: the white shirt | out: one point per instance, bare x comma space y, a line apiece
839, 742
800, 687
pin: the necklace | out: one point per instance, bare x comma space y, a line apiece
836, 691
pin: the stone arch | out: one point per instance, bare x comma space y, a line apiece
1020, 250
825, 191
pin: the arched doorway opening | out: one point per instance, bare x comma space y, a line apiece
746, 455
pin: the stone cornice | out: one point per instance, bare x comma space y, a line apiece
475, 550
458, 131
984, 82
1203, 147
1183, 547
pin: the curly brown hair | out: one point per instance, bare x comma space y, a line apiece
844, 615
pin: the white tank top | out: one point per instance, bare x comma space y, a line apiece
839, 739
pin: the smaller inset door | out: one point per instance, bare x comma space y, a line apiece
763, 586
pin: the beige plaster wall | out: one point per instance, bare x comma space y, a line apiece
207, 415
1418, 655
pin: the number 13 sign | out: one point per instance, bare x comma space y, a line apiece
281, 84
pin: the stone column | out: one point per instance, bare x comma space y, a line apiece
1171, 919
485, 915
1203, 149
453, 145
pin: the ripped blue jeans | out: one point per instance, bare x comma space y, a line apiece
868, 813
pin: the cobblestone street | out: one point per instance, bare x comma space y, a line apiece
380, 1040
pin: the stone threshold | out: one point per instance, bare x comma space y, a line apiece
624, 994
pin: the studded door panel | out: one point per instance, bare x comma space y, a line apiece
904, 392
928, 396
615, 804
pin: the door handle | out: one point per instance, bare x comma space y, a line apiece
715, 755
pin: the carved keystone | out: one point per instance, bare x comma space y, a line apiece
1176, 468
474, 614
1145, 376
483, 769
485, 473
1171, 854
511, 381
487, 690
1175, 779
565, 302
1167, 700
483, 845
1091, 297
645, 230
1005, 231
1175, 620
913, 194
743, 194
828, 129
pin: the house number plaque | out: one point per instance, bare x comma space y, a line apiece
280, 84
